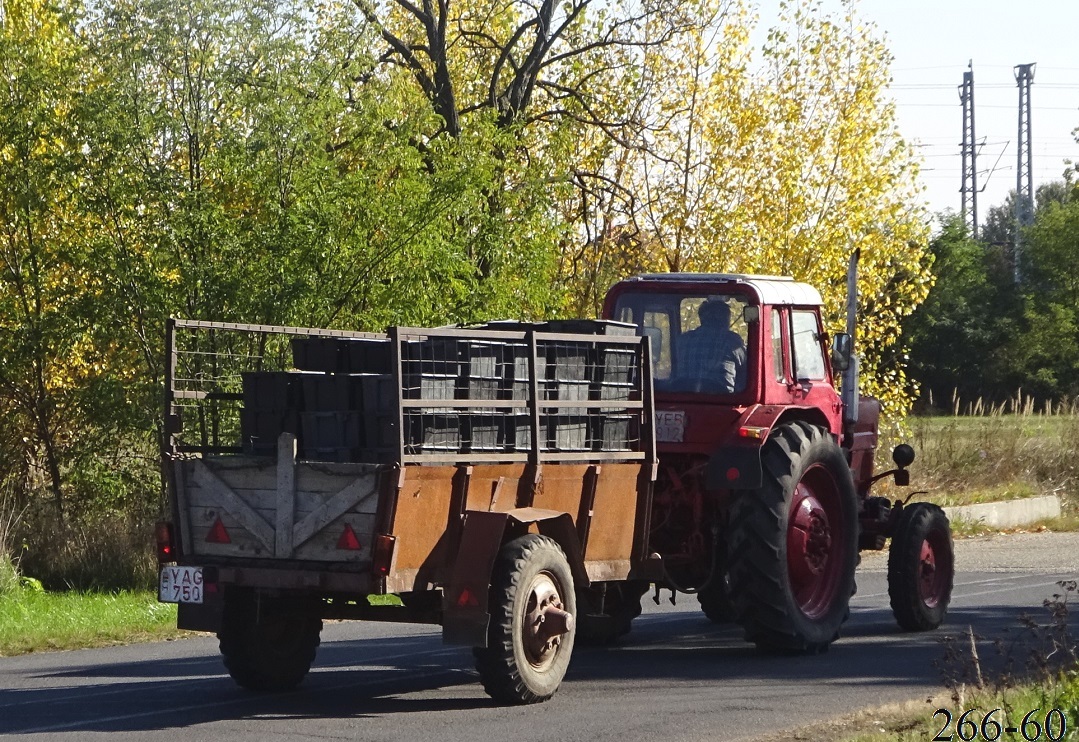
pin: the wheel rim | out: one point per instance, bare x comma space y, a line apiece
934, 567
543, 606
815, 550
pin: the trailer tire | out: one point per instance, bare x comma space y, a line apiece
267, 644
620, 605
520, 663
793, 543
921, 567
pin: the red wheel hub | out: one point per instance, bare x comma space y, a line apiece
934, 567
814, 542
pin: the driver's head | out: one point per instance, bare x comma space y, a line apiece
715, 312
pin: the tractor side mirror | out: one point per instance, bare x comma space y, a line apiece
751, 314
841, 352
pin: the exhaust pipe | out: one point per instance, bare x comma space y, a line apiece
849, 393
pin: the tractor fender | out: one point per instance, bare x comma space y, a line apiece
736, 462
465, 600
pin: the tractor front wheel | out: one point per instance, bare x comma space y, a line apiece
921, 567
793, 544
531, 631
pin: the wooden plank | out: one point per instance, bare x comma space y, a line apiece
323, 545
242, 542
359, 491
265, 500
228, 500
286, 495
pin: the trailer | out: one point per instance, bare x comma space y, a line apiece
480, 479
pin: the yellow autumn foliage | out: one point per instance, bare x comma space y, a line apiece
780, 160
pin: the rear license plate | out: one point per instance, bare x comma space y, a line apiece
180, 585
670, 426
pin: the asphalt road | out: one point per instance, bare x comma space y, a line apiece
676, 677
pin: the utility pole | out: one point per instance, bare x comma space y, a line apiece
1024, 171
969, 189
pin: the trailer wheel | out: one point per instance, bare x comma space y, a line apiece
531, 632
793, 544
620, 605
267, 644
921, 567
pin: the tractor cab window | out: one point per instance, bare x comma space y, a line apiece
808, 347
698, 342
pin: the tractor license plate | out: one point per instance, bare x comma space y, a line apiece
180, 585
670, 426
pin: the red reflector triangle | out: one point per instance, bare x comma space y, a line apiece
348, 540
467, 598
218, 534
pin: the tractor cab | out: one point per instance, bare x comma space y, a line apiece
730, 355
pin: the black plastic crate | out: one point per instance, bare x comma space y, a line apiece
615, 391
567, 432
430, 386
616, 365
567, 362
269, 390
260, 429
437, 355
316, 354
330, 434
380, 432
378, 393
364, 356
615, 433
518, 433
591, 327
330, 392
433, 432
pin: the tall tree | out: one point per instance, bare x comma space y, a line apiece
47, 353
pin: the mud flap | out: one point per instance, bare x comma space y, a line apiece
464, 604
735, 467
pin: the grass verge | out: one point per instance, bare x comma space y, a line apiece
32, 620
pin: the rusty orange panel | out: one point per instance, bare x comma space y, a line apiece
493, 487
610, 536
560, 488
421, 518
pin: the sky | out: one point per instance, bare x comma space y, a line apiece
933, 41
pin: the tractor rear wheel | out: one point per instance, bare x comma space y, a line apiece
531, 632
267, 644
793, 544
921, 567
602, 619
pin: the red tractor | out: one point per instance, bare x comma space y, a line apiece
762, 501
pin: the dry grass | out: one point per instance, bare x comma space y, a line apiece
1007, 451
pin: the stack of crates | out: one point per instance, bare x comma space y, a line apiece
270, 408
341, 400
338, 403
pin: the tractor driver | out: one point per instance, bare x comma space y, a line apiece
713, 356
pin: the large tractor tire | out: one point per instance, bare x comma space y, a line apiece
531, 632
921, 567
793, 544
607, 618
268, 644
